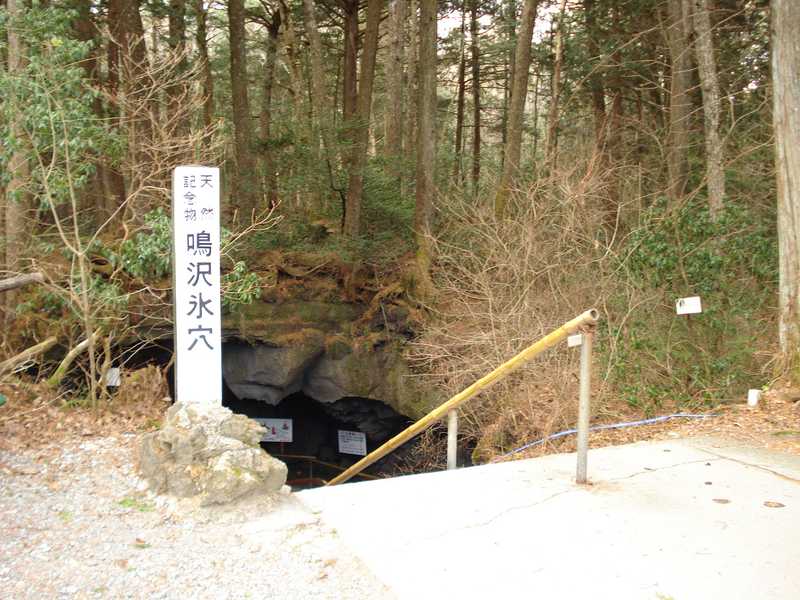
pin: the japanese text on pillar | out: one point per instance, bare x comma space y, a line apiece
196, 279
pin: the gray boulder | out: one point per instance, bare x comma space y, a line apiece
209, 453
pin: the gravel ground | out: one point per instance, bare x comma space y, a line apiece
75, 522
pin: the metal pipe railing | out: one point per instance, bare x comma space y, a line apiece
452, 440
584, 321
584, 401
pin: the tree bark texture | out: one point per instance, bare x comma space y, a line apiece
355, 187
426, 142
410, 139
265, 120
555, 87
680, 102
476, 95
458, 146
394, 85
709, 82
350, 68
245, 184
786, 115
595, 79
321, 110
517, 108
17, 196
177, 45
201, 39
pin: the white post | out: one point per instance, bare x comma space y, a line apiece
452, 439
196, 284
584, 406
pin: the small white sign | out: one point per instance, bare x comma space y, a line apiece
574, 340
753, 396
688, 306
278, 430
196, 284
352, 442
113, 377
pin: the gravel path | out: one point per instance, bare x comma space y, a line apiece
76, 523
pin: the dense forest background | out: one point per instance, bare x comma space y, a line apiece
492, 167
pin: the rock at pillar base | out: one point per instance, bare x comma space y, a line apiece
208, 453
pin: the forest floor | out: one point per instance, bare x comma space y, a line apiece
35, 418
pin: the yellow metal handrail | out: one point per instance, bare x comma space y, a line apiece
587, 319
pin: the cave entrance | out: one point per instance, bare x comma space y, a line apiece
318, 451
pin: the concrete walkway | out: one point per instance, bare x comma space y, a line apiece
698, 518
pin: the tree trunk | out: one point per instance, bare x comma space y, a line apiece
462, 69
321, 110
786, 99
128, 49
349, 71
555, 88
17, 196
177, 45
265, 122
595, 79
510, 32
476, 96
707, 66
410, 140
128, 77
680, 102
93, 196
201, 39
426, 143
394, 87
517, 109
355, 188
245, 186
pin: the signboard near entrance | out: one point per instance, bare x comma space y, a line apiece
196, 285
278, 430
689, 306
352, 442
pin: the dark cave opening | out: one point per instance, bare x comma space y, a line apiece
317, 451
315, 455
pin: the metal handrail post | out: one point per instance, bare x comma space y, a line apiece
452, 440
579, 323
584, 405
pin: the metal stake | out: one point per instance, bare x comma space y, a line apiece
584, 405
452, 439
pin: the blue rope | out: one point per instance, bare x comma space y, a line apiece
567, 432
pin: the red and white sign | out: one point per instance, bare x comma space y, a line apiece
278, 430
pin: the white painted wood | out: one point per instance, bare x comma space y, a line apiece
196, 284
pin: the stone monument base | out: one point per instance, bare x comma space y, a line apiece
209, 453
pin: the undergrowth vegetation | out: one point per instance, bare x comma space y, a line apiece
503, 285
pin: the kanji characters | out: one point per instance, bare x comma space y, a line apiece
202, 331
199, 305
200, 270
199, 243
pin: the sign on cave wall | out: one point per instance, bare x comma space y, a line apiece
196, 284
278, 430
352, 442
